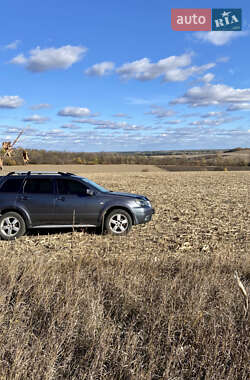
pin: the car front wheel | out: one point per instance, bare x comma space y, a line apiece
118, 222
12, 226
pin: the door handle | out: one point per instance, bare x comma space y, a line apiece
24, 198
60, 199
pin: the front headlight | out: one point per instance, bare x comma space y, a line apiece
143, 203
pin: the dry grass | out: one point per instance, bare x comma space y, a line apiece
161, 303
84, 170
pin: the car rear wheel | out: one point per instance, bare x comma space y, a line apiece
118, 222
12, 226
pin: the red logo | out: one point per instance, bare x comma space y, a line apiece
194, 19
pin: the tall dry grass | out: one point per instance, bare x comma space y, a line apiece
161, 303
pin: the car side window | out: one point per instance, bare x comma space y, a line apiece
70, 187
12, 185
38, 186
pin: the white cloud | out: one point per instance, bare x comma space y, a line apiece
74, 112
138, 101
28, 131
213, 95
40, 106
50, 59
19, 60
212, 114
108, 124
205, 135
13, 45
160, 112
214, 122
121, 115
100, 69
36, 119
239, 106
135, 127
171, 137
173, 122
104, 123
223, 59
70, 126
207, 77
172, 69
10, 101
219, 38
190, 114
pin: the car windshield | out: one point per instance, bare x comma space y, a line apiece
98, 187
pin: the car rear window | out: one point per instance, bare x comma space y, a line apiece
12, 185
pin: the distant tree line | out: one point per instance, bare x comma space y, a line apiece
42, 156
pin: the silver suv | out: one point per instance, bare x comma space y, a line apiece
57, 199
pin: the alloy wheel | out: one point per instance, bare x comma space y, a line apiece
118, 223
10, 226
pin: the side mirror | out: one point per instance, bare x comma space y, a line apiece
90, 192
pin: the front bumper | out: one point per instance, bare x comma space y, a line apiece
143, 214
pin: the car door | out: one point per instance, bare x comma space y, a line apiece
74, 205
38, 199
9, 192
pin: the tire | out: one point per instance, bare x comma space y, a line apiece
118, 222
12, 226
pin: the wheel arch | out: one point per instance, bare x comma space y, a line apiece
106, 212
22, 213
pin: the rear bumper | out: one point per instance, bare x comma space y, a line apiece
143, 214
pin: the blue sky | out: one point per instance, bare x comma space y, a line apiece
113, 76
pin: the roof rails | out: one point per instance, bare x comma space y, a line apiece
39, 173
66, 173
